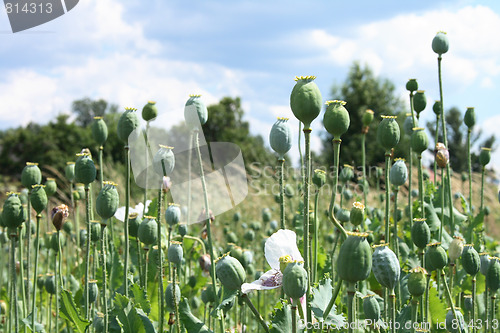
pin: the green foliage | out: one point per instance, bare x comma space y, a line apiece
282, 318
129, 318
70, 312
321, 297
362, 90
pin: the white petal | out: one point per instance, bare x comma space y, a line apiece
269, 280
120, 214
282, 242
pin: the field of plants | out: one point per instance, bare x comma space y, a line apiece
393, 248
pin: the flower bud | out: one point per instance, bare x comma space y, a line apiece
419, 102
305, 100
195, 112
280, 137
59, 215
31, 175
388, 133
442, 155
470, 117
336, 119
99, 131
127, 123
456, 247
149, 111
357, 215
485, 156
440, 43
398, 173
412, 85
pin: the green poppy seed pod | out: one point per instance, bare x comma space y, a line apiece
24, 196
412, 85
289, 191
470, 260
107, 200
346, 173
452, 325
173, 214
280, 137
419, 140
442, 155
456, 248
230, 272
195, 112
436, 107
68, 227
419, 101
175, 253
147, 232
149, 111
80, 189
319, 178
95, 231
485, 156
336, 119
38, 198
470, 118
355, 258
398, 173
468, 304
255, 225
428, 263
50, 284
367, 117
237, 217
493, 274
440, 43
295, 281
485, 262
420, 233
249, 235
437, 255
98, 323
13, 211
408, 124
170, 299
164, 161
385, 266
134, 221
343, 215
305, 100
50, 187
93, 291
69, 171
417, 281
54, 245
371, 308
31, 175
236, 252
266, 215
182, 230
83, 236
127, 123
388, 134
85, 171
208, 295
99, 131
357, 215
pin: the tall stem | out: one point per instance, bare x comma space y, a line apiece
207, 212
300, 153
450, 299
28, 258
255, 312
414, 310
35, 273
87, 252
469, 166
13, 279
294, 318
351, 290
58, 276
482, 190
101, 168
436, 138
281, 163
442, 206
410, 168
307, 264
21, 275
189, 177
474, 303
177, 317
125, 224
160, 264
421, 186
104, 275
315, 231
387, 195
335, 293
396, 240
363, 161
331, 209
393, 311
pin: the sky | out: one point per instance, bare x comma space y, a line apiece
129, 52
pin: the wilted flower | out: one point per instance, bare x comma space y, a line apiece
205, 263
442, 155
139, 208
280, 249
167, 183
59, 215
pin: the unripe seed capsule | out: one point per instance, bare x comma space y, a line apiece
367, 117
173, 214
319, 178
408, 124
456, 248
127, 123
485, 156
295, 281
398, 173
50, 187
493, 275
195, 112
147, 232
169, 297
385, 266
38, 198
485, 262
452, 325
440, 43
13, 211
412, 85
305, 100
417, 281
371, 308
355, 258
149, 111
420, 233
437, 255
99, 131
31, 175
134, 221
470, 260
280, 137
388, 133
419, 101
164, 161
419, 140
85, 171
347, 173
357, 215
436, 108
230, 272
175, 253
107, 200
93, 291
69, 171
470, 117
336, 119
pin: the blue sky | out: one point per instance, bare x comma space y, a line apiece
128, 52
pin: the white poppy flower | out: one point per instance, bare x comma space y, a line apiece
120, 212
282, 244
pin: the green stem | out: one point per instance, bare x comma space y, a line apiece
315, 230
139, 261
13, 279
146, 249
35, 273
425, 311
393, 311
436, 138
87, 252
189, 177
449, 298
294, 318
160, 264
58, 276
207, 212
331, 211
307, 178
387, 196
474, 303
351, 290
414, 310
482, 190
255, 312
469, 166
493, 312
486, 296
104, 274
125, 224
101, 168
28, 259
410, 184
442, 206
21, 274
177, 317
335, 293
421, 186
396, 240
300, 153
281, 163
363, 161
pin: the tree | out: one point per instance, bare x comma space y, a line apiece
86, 109
457, 140
362, 90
